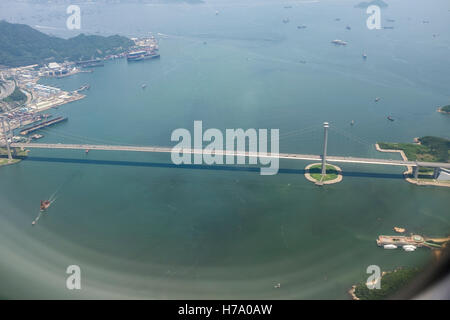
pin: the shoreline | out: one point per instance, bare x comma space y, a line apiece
442, 111
409, 170
352, 291
310, 178
13, 161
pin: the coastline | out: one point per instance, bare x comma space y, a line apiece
409, 170
7, 163
310, 178
352, 293
442, 111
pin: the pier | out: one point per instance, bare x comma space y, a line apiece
43, 125
412, 240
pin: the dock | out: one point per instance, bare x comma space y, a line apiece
41, 125
412, 240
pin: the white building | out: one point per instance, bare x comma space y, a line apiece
444, 175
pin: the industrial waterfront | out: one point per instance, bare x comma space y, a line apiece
140, 227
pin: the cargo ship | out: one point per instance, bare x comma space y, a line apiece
142, 55
90, 63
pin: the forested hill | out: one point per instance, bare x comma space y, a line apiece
22, 45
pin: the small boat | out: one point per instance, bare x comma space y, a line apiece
301, 27
278, 285
364, 56
86, 151
390, 246
45, 204
399, 230
352, 123
348, 28
339, 42
409, 247
377, 99
286, 20
217, 13
390, 118
143, 86
33, 223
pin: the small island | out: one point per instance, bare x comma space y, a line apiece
391, 283
313, 173
444, 109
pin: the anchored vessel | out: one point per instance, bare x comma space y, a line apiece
339, 42
142, 55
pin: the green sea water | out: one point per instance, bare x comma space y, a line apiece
139, 227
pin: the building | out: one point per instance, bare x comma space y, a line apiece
444, 175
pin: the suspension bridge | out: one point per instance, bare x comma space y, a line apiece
324, 158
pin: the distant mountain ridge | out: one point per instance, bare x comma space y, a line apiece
22, 45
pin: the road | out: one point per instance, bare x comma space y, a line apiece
292, 156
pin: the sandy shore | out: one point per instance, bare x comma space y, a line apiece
351, 292
444, 112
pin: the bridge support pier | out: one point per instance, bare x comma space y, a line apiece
416, 172
324, 155
436, 172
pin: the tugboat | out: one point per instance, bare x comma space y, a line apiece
45, 204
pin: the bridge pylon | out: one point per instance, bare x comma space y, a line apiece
325, 143
416, 172
5, 134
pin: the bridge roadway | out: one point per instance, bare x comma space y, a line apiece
291, 156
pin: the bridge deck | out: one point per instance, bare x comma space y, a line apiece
292, 156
